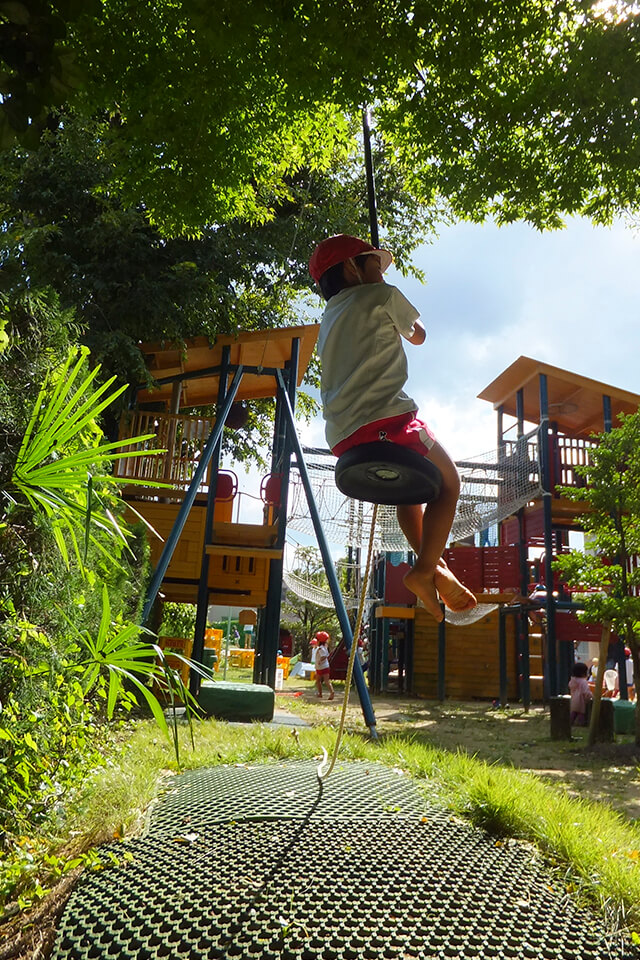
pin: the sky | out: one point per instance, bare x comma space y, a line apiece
570, 298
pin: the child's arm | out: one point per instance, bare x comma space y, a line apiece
419, 334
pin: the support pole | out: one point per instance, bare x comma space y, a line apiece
343, 618
522, 623
442, 655
502, 647
371, 187
547, 494
203, 585
187, 503
271, 614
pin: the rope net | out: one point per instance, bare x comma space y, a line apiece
494, 486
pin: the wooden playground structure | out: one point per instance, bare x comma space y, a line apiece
203, 554
207, 555
523, 648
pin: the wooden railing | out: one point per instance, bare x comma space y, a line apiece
566, 454
183, 438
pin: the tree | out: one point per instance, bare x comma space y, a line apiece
612, 528
303, 617
521, 110
65, 227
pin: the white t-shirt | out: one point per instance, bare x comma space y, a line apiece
364, 368
322, 657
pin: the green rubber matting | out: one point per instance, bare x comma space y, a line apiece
261, 862
236, 701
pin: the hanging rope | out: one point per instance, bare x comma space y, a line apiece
322, 773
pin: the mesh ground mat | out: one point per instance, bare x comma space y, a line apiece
262, 862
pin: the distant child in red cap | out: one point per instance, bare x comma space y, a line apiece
364, 371
323, 670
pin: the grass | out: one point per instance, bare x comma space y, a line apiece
594, 848
597, 850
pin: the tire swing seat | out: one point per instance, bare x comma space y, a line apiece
386, 473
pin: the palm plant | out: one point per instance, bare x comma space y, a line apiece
122, 658
63, 473
63, 469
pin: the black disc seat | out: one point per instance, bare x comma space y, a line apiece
384, 472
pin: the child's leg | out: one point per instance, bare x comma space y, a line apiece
318, 685
427, 531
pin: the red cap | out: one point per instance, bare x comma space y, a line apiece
627, 652
322, 637
340, 248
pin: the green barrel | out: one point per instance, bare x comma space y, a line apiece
236, 701
624, 716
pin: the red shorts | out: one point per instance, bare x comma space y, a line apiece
405, 430
323, 673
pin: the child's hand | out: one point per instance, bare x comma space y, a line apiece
419, 334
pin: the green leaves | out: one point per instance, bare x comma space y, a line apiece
132, 667
61, 458
608, 571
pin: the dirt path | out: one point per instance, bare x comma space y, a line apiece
611, 774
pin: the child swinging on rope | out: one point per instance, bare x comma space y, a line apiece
364, 371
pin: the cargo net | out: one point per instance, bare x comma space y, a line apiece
321, 596
494, 486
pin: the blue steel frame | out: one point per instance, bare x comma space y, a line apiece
334, 586
287, 442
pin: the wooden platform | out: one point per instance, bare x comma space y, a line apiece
260, 348
471, 659
239, 563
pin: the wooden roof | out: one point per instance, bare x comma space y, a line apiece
260, 348
575, 402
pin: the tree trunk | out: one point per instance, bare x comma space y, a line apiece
635, 656
597, 693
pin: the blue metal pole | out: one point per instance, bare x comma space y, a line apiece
276, 566
203, 586
547, 494
442, 660
334, 586
502, 656
187, 503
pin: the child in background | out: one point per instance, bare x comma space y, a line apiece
580, 694
322, 664
364, 371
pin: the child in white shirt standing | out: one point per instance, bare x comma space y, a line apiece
323, 670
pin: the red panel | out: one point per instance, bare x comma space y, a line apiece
534, 524
501, 568
271, 489
466, 563
226, 486
510, 531
338, 662
569, 628
395, 591
485, 569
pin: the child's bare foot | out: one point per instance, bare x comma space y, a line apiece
454, 594
425, 589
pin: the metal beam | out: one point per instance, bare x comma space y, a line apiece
190, 496
343, 617
203, 585
547, 494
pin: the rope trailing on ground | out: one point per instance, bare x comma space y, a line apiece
324, 773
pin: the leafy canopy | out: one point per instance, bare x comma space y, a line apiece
525, 109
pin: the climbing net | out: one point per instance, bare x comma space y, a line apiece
308, 590
494, 486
